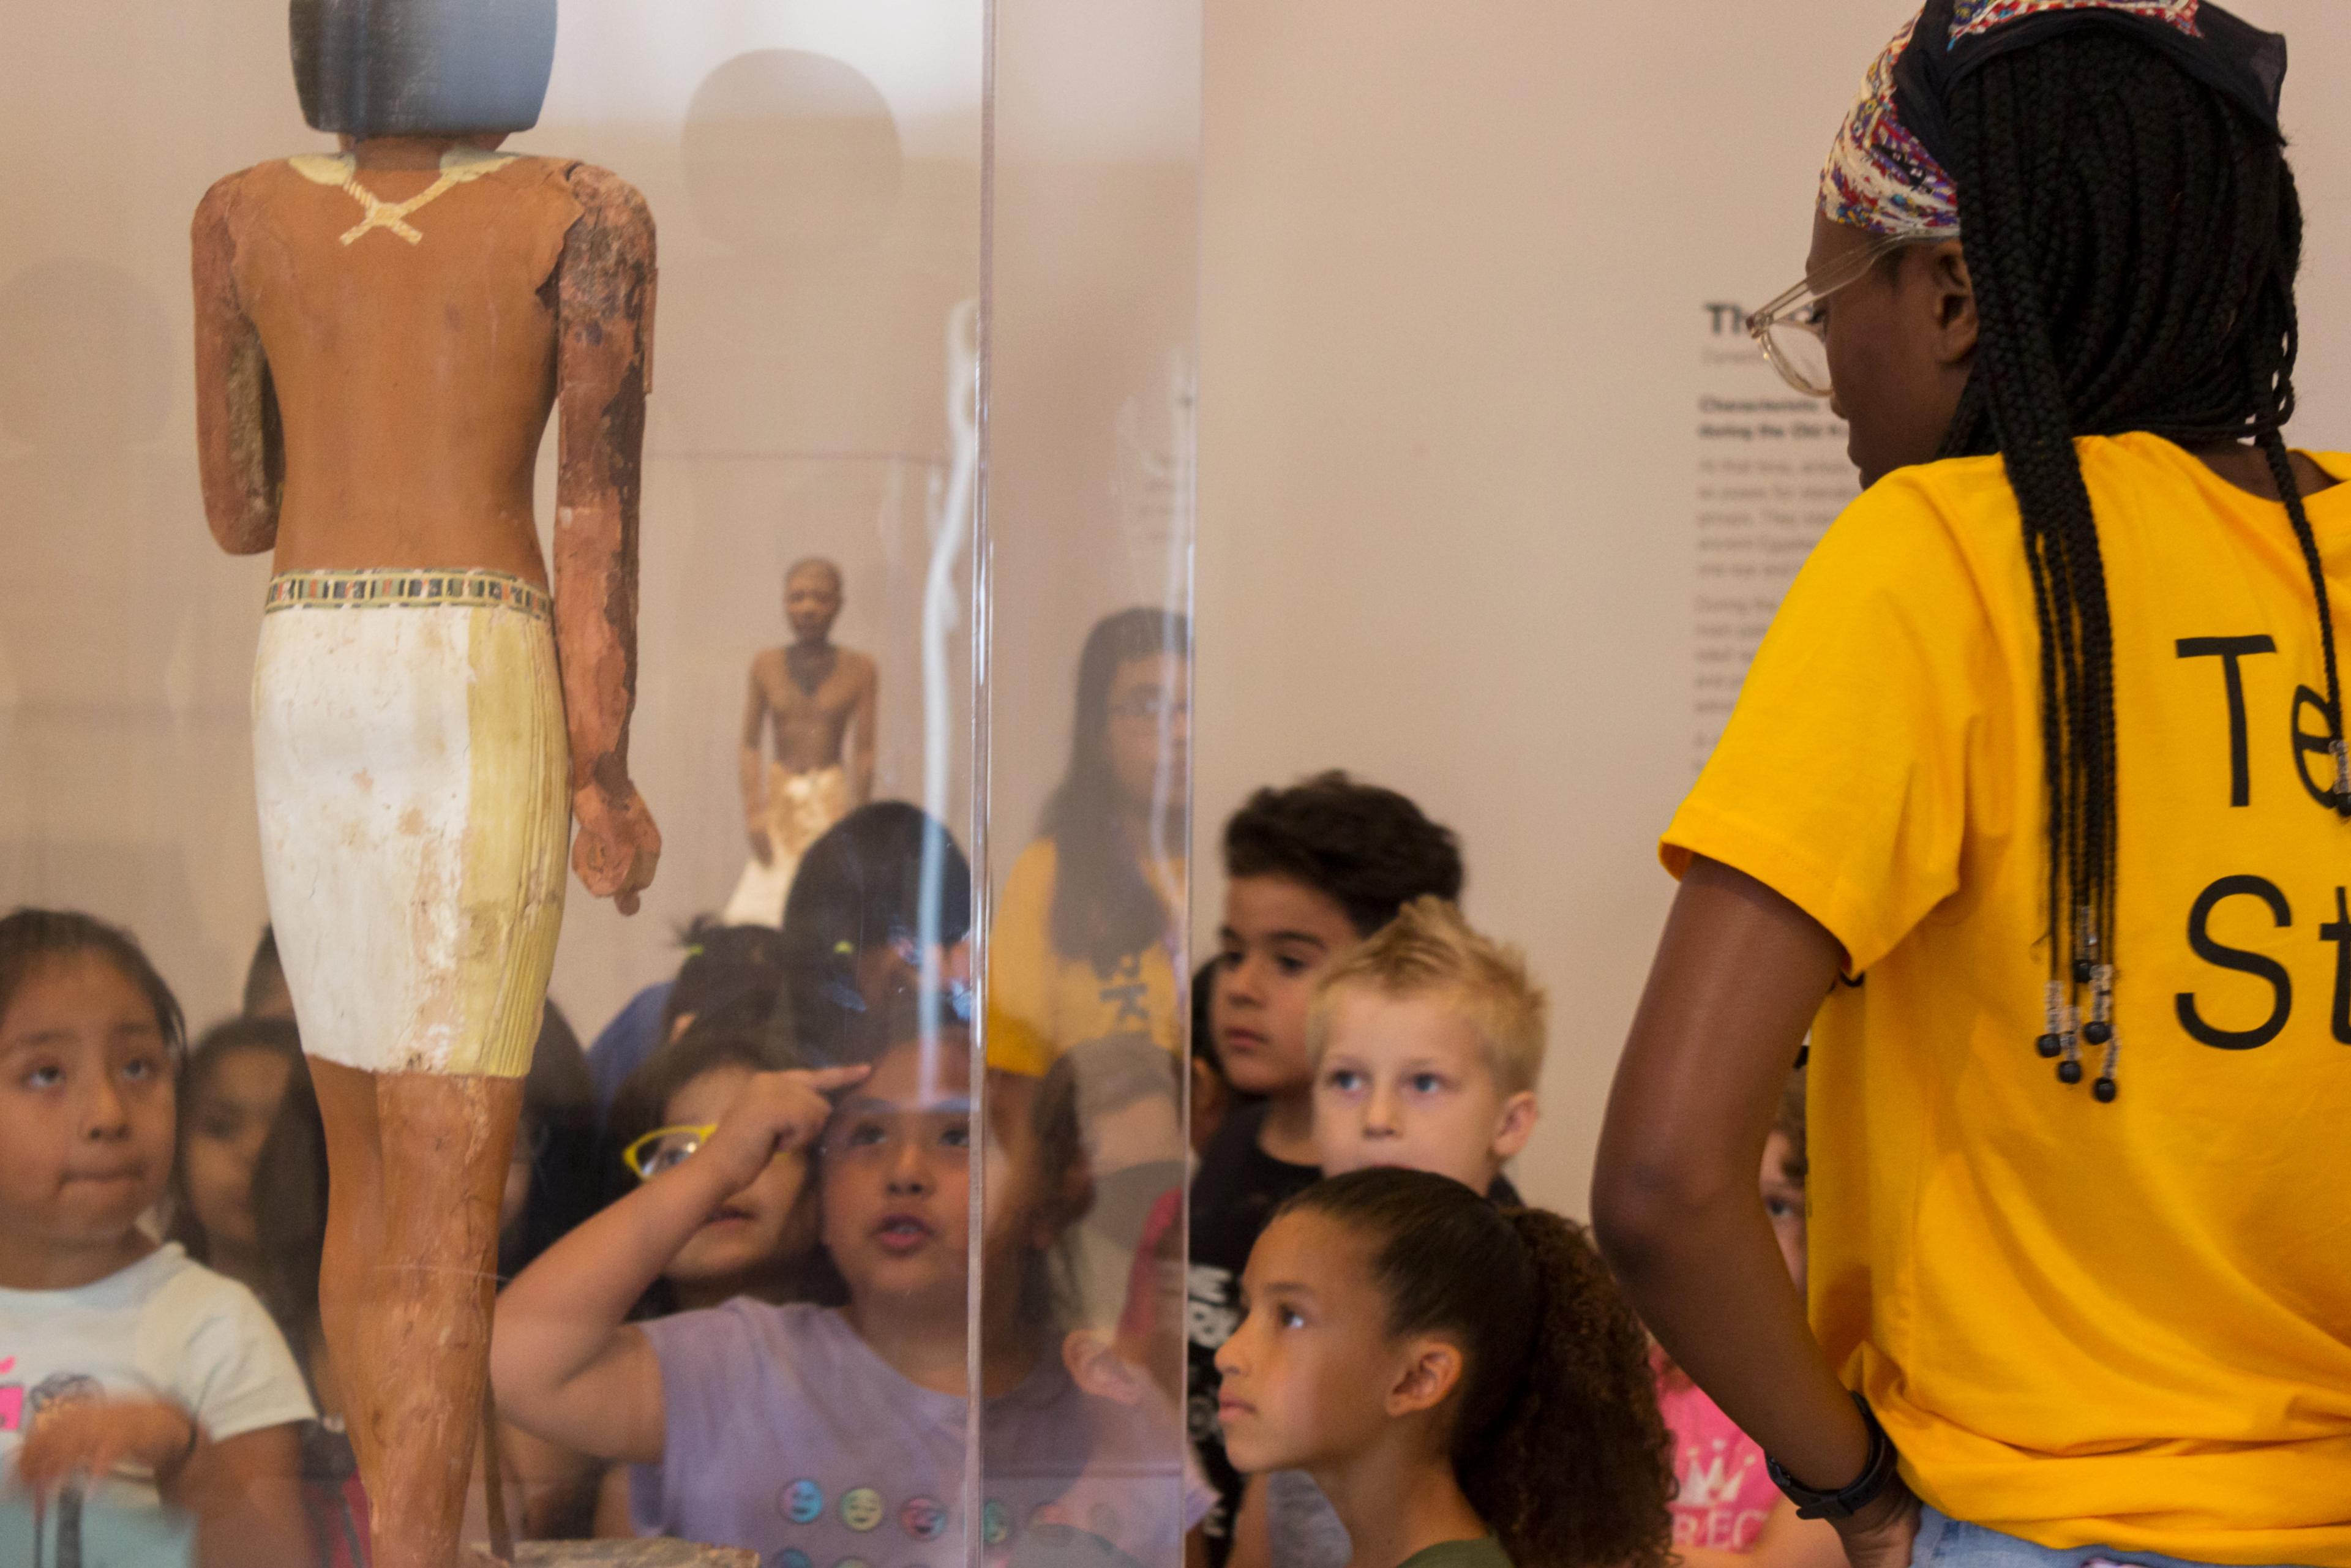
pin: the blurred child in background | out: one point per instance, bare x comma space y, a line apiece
230, 1089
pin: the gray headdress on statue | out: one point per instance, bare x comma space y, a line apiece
423, 68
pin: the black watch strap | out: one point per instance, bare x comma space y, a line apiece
1858, 1494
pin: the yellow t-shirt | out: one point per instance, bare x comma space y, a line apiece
2128, 1324
1041, 1002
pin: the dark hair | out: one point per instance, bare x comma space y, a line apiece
1370, 851
2132, 238
290, 1213
33, 938
264, 973
719, 1039
860, 885
557, 1134
1556, 1440
1204, 1028
1104, 907
722, 963
277, 1037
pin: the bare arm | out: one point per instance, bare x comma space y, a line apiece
240, 445
862, 742
603, 357
245, 1493
566, 1365
1738, 975
753, 767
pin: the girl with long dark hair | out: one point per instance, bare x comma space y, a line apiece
1083, 942
2039, 781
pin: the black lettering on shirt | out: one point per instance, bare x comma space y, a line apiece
2338, 931
2321, 741
2229, 650
2221, 955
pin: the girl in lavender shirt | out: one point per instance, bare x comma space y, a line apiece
821, 1436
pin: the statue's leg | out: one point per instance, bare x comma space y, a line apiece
426, 1337
347, 1105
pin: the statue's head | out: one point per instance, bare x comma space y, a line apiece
423, 68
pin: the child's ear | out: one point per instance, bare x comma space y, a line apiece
1096, 1367
1516, 1124
1432, 1369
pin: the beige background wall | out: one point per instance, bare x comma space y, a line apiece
1456, 261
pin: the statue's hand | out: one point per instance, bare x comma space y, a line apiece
618, 845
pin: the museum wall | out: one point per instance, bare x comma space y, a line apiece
814, 171
1458, 265
1467, 346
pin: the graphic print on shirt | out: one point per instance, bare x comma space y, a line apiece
2306, 738
923, 1519
801, 1502
1714, 1507
861, 1509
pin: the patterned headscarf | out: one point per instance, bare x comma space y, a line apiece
1883, 172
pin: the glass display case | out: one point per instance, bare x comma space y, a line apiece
910, 584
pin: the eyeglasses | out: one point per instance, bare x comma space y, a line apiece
855, 1137
1792, 329
664, 1148
1151, 706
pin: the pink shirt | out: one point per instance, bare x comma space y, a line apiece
1725, 1494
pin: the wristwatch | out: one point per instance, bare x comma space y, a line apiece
1849, 1499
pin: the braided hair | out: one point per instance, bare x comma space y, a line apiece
2132, 238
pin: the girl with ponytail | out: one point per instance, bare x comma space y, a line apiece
1463, 1381
2033, 812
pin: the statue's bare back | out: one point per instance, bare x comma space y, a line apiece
412, 397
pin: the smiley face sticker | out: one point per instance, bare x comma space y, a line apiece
921, 1518
861, 1509
801, 1502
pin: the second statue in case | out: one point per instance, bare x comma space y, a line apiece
820, 700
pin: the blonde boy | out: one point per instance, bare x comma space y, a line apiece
1427, 1042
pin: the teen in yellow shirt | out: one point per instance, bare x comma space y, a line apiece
1083, 945
2078, 1235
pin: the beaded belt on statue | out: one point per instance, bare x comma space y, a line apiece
381, 586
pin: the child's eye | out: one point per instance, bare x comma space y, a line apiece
1289, 965
1288, 1317
1229, 959
142, 1069
956, 1135
1425, 1083
865, 1135
48, 1075
1345, 1080
1779, 1207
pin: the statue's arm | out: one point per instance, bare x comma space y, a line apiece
240, 444
603, 357
750, 763
863, 742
